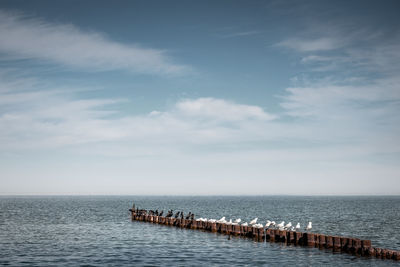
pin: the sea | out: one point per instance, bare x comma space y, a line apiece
98, 231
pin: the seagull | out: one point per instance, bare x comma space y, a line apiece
258, 225
281, 225
287, 226
268, 223
273, 223
222, 219
245, 224
254, 221
230, 222
238, 220
309, 226
212, 220
297, 226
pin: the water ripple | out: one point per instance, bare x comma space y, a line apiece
93, 231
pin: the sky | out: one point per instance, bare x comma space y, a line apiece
199, 97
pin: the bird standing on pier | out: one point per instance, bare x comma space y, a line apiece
268, 224
161, 213
280, 226
309, 226
177, 214
297, 226
287, 226
245, 224
170, 213
254, 221
238, 220
222, 220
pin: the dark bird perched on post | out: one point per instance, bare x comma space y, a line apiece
181, 215
156, 212
188, 216
192, 217
133, 208
170, 213
161, 213
176, 215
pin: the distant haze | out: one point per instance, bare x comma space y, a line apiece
199, 97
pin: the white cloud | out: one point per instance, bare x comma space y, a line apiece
219, 109
32, 38
315, 58
42, 119
211, 139
240, 34
311, 45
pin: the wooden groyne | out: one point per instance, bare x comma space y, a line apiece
349, 245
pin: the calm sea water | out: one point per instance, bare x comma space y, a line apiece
71, 231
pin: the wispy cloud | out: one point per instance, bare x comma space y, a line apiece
329, 127
218, 109
359, 92
47, 119
33, 38
337, 46
43, 119
240, 34
310, 45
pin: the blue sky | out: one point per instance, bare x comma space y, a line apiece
205, 97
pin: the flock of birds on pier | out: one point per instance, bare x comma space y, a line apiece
269, 224
190, 215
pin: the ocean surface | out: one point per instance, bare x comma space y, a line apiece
97, 230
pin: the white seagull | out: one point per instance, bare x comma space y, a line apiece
268, 224
238, 220
297, 226
280, 225
245, 224
258, 225
273, 223
287, 226
309, 226
254, 221
222, 220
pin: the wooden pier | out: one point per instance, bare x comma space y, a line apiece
349, 245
